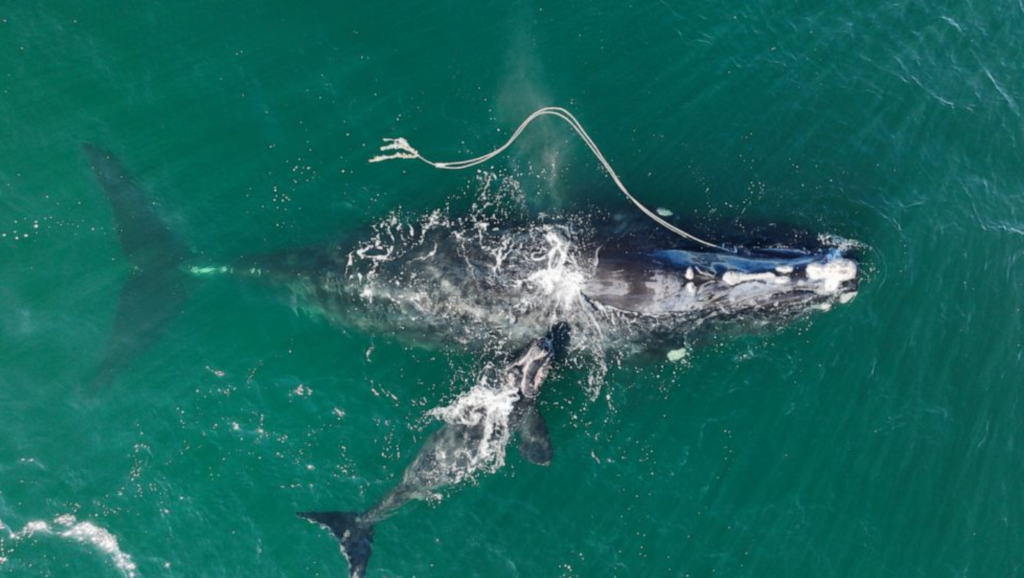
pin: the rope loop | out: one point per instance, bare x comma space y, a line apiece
399, 148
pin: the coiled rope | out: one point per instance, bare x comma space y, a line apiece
399, 148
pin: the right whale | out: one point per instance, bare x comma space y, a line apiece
622, 285
456, 451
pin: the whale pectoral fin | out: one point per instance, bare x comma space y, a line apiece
534, 439
354, 535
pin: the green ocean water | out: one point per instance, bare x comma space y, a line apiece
882, 438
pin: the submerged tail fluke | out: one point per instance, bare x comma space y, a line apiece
156, 287
355, 536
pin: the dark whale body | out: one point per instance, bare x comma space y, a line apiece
617, 289
620, 285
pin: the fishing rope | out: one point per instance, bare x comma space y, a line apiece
399, 148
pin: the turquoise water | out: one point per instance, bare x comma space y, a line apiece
883, 438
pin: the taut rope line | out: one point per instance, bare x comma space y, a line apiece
399, 148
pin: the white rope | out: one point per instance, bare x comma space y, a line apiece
399, 148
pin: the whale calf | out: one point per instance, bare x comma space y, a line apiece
457, 450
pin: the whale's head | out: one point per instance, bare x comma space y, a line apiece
671, 282
530, 368
768, 279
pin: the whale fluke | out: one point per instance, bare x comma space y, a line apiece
355, 536
157, 285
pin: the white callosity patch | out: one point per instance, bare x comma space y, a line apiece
832, 273
67, 527
735, 278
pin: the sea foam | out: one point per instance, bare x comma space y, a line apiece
67, 527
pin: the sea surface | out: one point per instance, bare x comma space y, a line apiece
884, 438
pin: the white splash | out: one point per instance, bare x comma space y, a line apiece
66, 526
480, 271
491, 409
560, 280
842, 244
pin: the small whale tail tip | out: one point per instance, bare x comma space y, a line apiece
355, 536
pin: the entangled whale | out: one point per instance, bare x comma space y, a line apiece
472, 441
623, 285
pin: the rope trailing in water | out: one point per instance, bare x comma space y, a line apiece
399, 148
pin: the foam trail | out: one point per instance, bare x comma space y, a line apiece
557, 280
399, 148
67, 527
483, 405
542, 267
